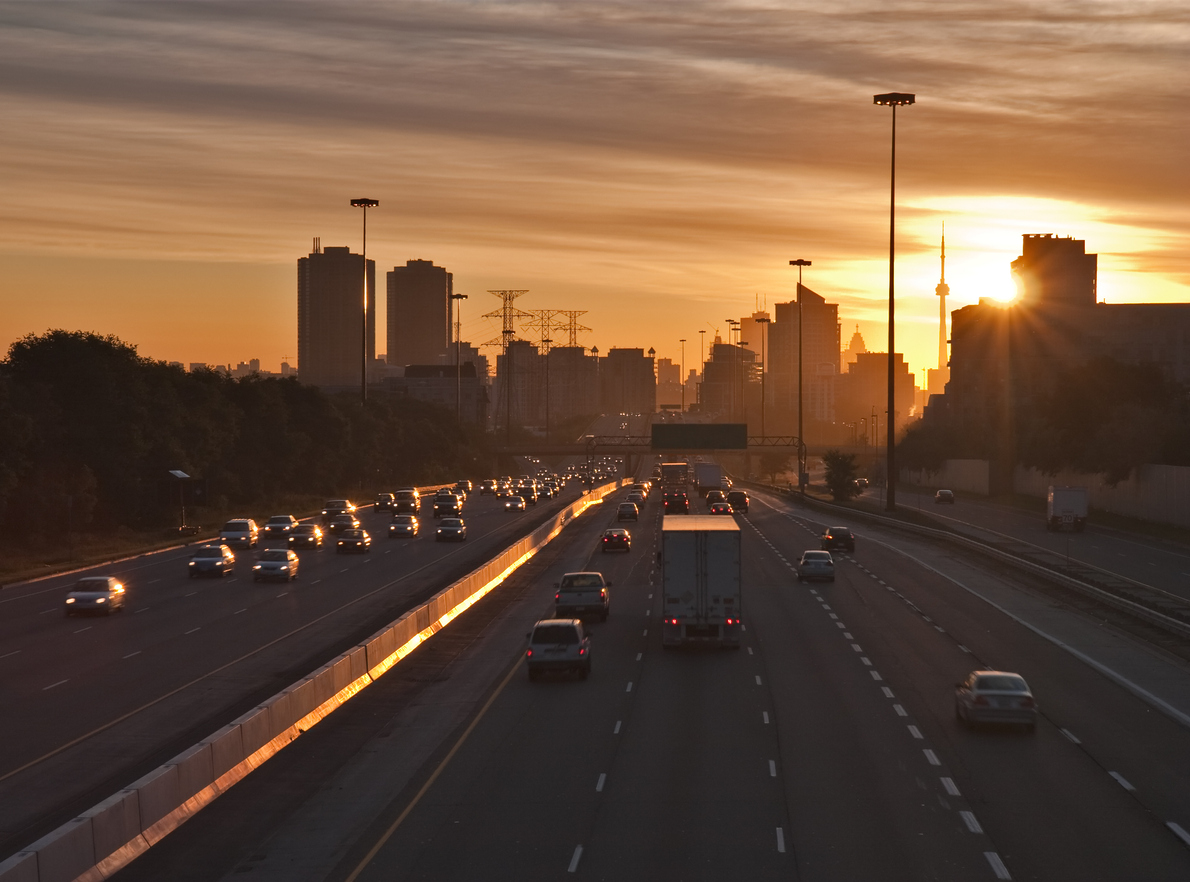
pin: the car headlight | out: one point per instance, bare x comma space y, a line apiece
191, 563
70, 600
284, 566
101, 600
256, 566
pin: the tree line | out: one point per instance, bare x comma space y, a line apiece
89, 431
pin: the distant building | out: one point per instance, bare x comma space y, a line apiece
574, 383
331, 335
854, 347
627, 382
437, 383
819, 341
861, 394
669, 383
727, 377
420, 313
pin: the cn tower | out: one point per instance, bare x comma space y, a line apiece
942, 290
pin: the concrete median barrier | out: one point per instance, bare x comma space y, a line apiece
111, 834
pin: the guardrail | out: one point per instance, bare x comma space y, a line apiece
108, 836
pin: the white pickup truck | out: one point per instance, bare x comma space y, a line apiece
582, 594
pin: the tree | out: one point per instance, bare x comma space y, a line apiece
840, 474
773, 462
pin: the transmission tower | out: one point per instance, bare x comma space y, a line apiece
544, 324
509, 315
571, 325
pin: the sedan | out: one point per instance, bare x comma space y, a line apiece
279, 526
276, 563
341, 522
616, 540
211, 560
995, 697
636, 498
384, 501
944, 496
102, 595
721, 508
353, 542
450, 530
715, 496
627, 512
816, 565
404, 526
305, 536
838, 537
514, 503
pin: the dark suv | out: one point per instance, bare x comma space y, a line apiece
738, 499
676, 502
838, 537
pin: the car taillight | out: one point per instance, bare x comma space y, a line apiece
557, 596
582, 650
980, 700
603, 594
528, 653
1027, 701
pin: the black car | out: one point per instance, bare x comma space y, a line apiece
384, 501
305, 536
344, 521
406, 502
738, 499
838, 537
616, 540
676, 502
353, 541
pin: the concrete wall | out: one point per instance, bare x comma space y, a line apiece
968, 475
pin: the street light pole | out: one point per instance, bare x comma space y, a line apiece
365, 204
458, 359
547, 341
764, 333
893, 100
731, 328
801, 449
682, 377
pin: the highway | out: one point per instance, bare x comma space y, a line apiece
825, 749
102, 700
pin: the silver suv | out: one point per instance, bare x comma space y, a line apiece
558, 645
240, 531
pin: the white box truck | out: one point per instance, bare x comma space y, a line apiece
700, 581
707, 477
1066, 507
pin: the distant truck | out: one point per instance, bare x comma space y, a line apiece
675, 474
707, 477
700, 581
1066, 507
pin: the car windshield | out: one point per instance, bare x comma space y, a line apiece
274, 554
1000, 683
816, 556
404, 520
582, 580
305, 528
563, 634
235, 527
91, 585
209, 551
353, 534
452, 522
279, 519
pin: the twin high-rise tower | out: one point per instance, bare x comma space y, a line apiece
330, 310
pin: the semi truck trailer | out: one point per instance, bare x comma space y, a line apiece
700, 581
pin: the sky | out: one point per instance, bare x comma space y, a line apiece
657, 164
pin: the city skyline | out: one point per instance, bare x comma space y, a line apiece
166, 203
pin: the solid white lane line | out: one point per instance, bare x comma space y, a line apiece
7, 654
629, 689
875, 675
916, 732
932, 758
780, 840
1070, 735
81, 630
639, 655
578, 853
131, 654
758, 679
949, 786
772, 768
599, 784
901, 712
1178, 831
52, 685
888, 693
1122, 781
998, 867
765, 714
192, 630
616, 731
972, 823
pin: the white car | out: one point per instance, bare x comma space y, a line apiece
816, 565
276, 563
995, 697
103, 595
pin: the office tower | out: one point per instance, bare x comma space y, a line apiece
419, 313
330, 307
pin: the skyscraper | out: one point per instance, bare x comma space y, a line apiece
330, 307
419, 312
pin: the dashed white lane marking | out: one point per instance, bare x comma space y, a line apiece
998, 867
81, 630
875, 675
602, 780
867, 661
758, 679
765, 714
972, 823
131, 654
847, 635
916, 732
616, 731
888, 693
44, 611
833, 616
141, 610
1178, 831
646, 612
825, 605
750, 650
840, 625
939, 629
7, 654
191, 594
344, 569
53, 685
639, 655
901, 712
780, 840
772, 768
192, 630
629, 689
238, 611
283, 593
151, 581
965, 649
578, 853
646, 633
316, 581
1122, 781
1070, 735
856, 647
950, 787
932, 758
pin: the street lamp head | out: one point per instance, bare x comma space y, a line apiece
894, 99
458, 296
800, 262
365, 203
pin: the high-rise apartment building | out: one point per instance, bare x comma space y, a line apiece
331, 333
819, 363
420, 313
